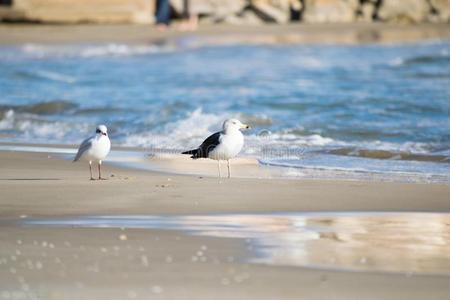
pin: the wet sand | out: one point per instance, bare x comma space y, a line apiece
16, 34
41, 184
115, 263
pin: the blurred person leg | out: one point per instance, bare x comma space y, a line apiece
190, 20
162, 14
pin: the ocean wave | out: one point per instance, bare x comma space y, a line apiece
90, 51
305, 153
37, 121
6, 119
101, 110
42, 108
423, 75
360, 174
256, 120
197, 125
186, 132
427, 59
441, 57
191, 130
324, 162
46, 75
34, 128
390, 155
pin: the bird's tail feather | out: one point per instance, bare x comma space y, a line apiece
190, 151
193, 152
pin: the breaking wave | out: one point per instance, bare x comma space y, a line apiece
41, 108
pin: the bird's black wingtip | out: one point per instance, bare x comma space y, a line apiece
191, 152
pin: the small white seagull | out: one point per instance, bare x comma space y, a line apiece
95, 148
222, 145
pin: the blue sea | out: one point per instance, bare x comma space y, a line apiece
316, 110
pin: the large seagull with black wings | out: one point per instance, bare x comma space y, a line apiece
222, 145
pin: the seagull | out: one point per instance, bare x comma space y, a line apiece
222, 145
95, 148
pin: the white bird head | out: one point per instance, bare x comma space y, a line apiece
101, 129
234, 124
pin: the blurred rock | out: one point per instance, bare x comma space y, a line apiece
442, 8
84, 11
367, 11
322, 11
215, 10
247, 17
404, 11
238, 12
273, 10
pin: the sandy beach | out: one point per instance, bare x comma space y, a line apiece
126, 263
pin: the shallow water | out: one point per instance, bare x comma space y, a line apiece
381, 109
409, 243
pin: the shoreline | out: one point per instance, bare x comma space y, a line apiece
215, 35
169, 162
134, 191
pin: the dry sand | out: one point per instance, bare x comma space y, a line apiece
16, 34
87, 263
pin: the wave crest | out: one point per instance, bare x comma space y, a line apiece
42, 108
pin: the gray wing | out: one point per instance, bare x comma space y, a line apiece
85, 145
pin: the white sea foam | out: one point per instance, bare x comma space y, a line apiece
186, 132
192, 130
197, 125
55, 76
397, 62
7, 121
32, 128
43, 130
409, 147
312, 63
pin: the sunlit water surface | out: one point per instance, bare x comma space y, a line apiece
409, 243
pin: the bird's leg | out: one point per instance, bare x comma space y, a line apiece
218, 166
100, 171
90, 169
229, 173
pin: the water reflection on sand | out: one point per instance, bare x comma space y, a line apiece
410, 243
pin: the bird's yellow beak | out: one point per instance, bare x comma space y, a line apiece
245, 126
